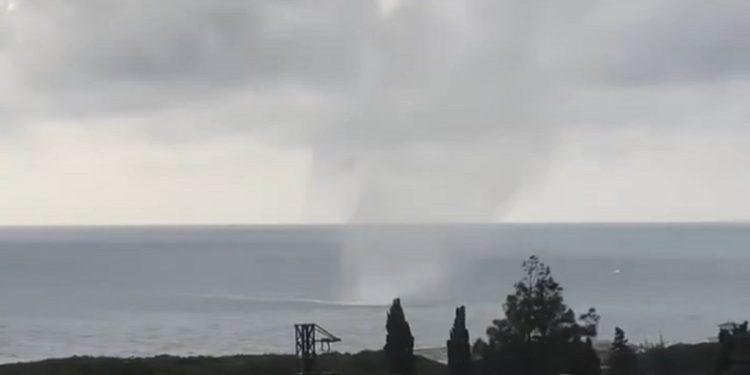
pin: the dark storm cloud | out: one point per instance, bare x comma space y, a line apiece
84, 56
683, 41
461, 99
186, 41
483, 64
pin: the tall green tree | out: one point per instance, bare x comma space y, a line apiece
540, 334
399, 342
459, 351
622, 357
536, 310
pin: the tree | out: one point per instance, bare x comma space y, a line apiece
659, 358
536, 310
622, 358
724, 361
729, 336
399, 342
620, 343
540, 334
459, 352
537, 304
583, 359
589, 323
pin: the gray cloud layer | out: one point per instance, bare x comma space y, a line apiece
435, 110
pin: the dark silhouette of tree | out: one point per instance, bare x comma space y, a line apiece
537, 304
537, 312
584, 360
459, 352
660, 357
540, 334
620, 343
589, 323
733, 351
399, 342
724, 361
622, 358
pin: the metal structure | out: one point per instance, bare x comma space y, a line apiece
308, 336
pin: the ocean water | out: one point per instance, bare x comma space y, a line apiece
224, 290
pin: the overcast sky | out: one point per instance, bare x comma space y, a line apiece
269, 111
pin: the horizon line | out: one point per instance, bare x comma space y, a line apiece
374, 224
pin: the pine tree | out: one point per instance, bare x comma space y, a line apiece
459, 351
622, 359
536, 312
537, 303
399, 342
540, 333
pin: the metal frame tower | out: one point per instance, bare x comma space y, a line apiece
307, 335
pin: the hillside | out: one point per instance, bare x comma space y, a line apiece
363, 363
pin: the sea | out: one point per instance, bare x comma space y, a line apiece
219, 290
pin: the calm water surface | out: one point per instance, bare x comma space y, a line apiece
223, 290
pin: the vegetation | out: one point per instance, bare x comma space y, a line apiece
622, 358
697, 359
734, 343
459, 352
399, 342
364, 363
539, 335
680, 359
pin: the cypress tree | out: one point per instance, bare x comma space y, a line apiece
459, 352
399, 342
